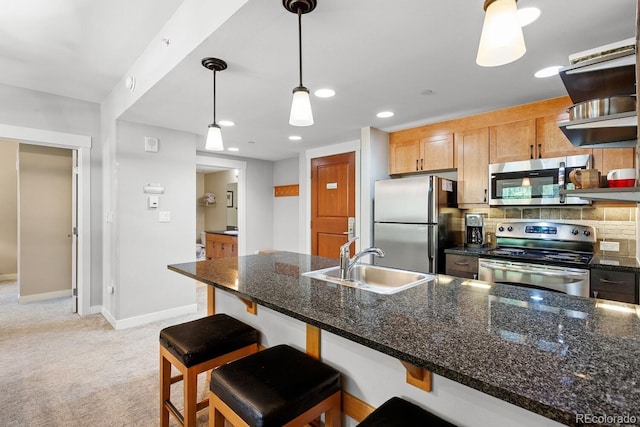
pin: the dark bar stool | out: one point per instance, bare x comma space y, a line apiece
279, 386
397, 412
195, 347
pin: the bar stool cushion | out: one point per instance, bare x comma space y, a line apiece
207, 338
273, 386
397, 412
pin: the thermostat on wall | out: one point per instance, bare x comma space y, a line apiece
151, 144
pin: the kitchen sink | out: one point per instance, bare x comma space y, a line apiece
381, 280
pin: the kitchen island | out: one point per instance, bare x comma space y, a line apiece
564, 358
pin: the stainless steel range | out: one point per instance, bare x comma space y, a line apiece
540, 255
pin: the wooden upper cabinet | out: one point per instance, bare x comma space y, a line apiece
513, 141
425, 154
551, 142
436, 152
473, 166
605, 159
404, 157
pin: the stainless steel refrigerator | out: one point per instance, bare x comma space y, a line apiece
415, 220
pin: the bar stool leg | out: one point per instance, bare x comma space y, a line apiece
190, 382
165, 390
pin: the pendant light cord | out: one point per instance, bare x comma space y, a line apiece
300, 42
214, 97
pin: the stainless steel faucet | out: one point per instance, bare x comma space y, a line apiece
346, 263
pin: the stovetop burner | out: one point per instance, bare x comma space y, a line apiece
545, 242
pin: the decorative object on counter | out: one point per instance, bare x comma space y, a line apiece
585, 178
214, 136
301, 114
622, 177
501, 41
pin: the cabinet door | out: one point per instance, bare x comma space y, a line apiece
551, 142
514, 141
210, 247
473, 166
462, 266
436, 152
605, 159
404, 157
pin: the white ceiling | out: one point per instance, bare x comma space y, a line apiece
376, 54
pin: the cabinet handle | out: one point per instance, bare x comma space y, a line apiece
421, 164
461, 262
531, 151
485, 195
612, 282
417, 164
539, 151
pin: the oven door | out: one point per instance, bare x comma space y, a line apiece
572, 281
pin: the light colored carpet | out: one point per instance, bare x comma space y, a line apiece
59, 369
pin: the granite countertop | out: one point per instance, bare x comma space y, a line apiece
223, 232
555, 355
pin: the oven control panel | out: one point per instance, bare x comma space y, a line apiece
547, 231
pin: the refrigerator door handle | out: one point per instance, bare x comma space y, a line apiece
431, 250
430, 200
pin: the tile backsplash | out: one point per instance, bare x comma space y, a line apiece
612, 224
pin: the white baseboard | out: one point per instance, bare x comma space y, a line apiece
44, 296
95, 309
148, 318
4, 277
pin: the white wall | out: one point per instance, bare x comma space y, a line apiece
285, 209
259, 205
374, 165
32, 109
8, 210
144, 288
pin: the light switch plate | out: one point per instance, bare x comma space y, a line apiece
164, 216
610, 246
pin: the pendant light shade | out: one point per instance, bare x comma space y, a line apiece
214, 139
301, 114
214, 135
501, 41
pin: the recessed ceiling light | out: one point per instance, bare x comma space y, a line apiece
295, 138
384, 114
324, 93
233, 149
226, 123
527, 15
548, 72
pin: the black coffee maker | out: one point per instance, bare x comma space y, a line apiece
473, 230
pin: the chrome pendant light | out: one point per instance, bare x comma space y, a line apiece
214, 136
301, 114
501, 41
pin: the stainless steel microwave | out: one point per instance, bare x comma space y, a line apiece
535, 182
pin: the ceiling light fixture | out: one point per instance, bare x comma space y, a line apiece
214, 136
301, 114
295, 138
548, 72
501, 41
325, 93
385, 114
527, 15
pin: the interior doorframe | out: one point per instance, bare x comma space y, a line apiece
305, 197
241, 165
82, 144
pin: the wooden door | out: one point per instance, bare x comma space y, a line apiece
514, 141
473, 166
550, 140
404, 156
333, 197
436, 152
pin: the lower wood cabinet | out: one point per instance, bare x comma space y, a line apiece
221, 246
462, 266
614, 285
